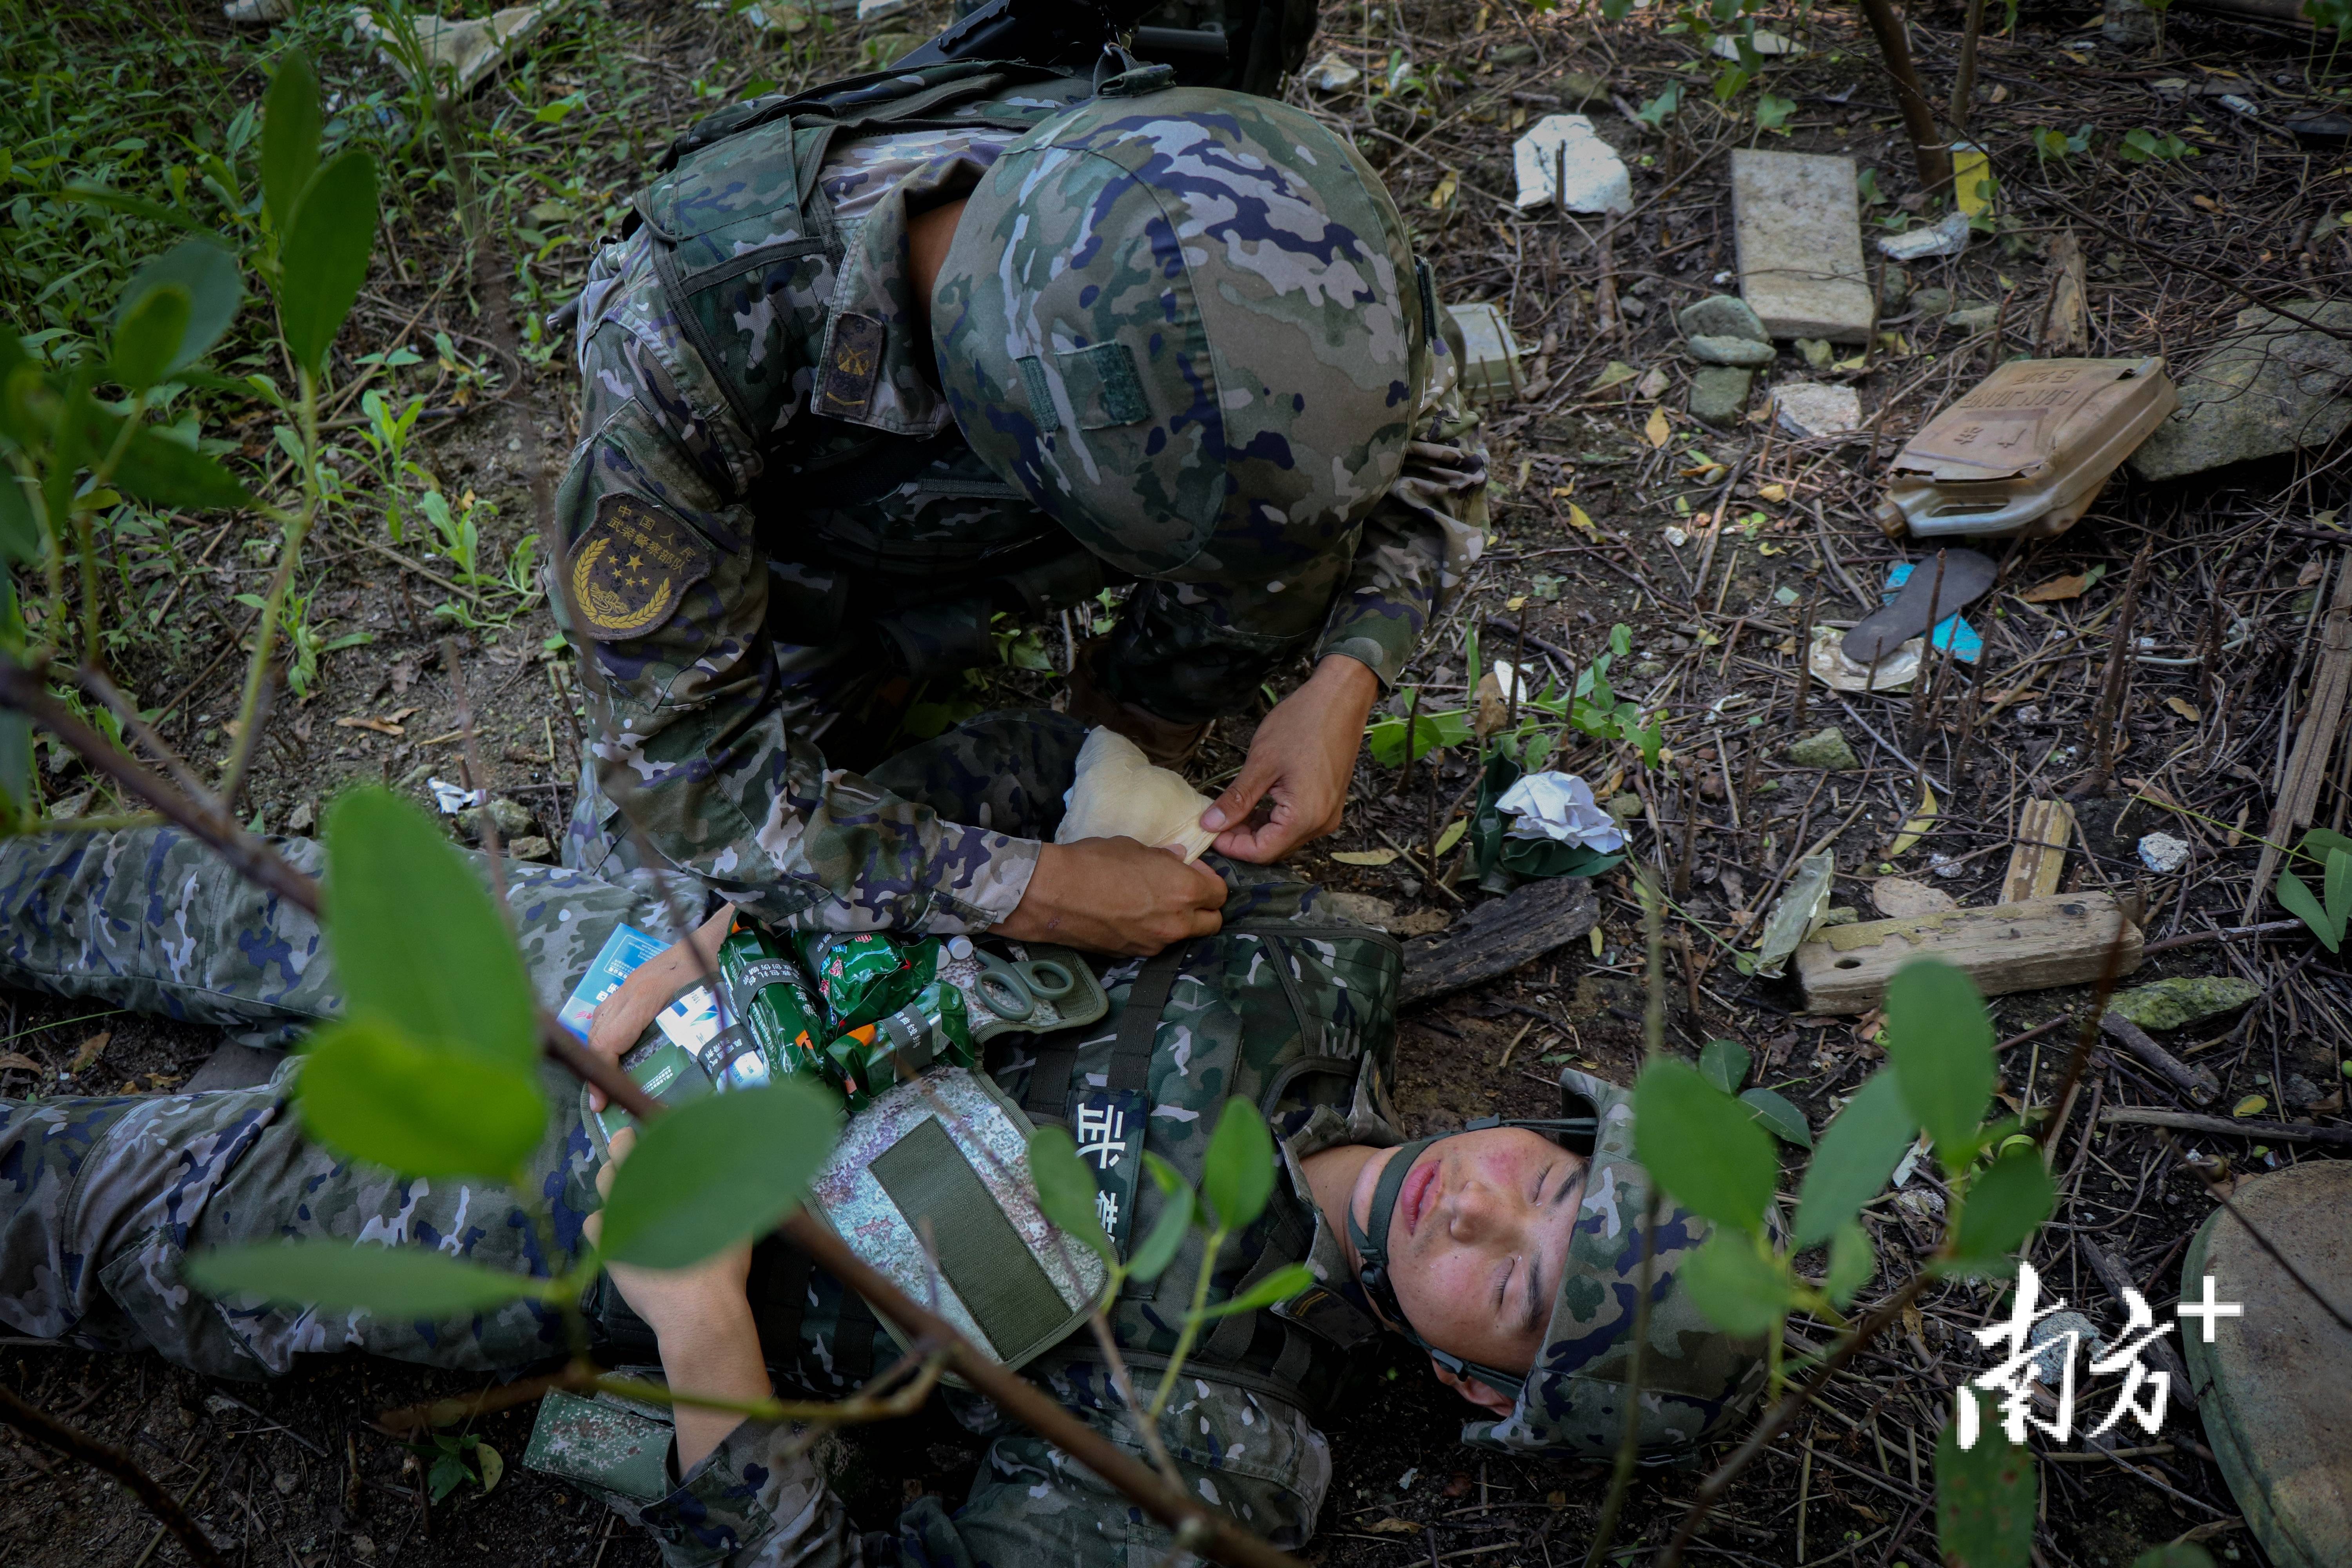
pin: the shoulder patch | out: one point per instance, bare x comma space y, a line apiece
632, 566
854, 365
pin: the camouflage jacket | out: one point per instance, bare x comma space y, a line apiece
759, 416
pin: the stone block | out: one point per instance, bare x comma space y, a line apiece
1745, 352
2273, 386
1721, 316
1718, 393
1798, 224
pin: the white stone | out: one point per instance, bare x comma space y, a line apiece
1564, 147
2163, 852
1798, 224
1809, 408
1767, 43
1332, 74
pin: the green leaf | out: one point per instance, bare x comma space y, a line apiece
448, 1473
1158, 1250
2337, 885
1860, 1149
20, 531
1238, 1176
1737, 1287
1984, 1501
1852, 1263
1724, 1063
1279, 1286
1940, 1043
148, 337
396, 1281
209, 274
2296, 899
2175, 1554
1703, 1146
369, 1091
1066, 1191
716, 1172
416, 939
2004, 1205
163, 473
1779, 1118
289, 137
325, 256
2318, 841
100, 196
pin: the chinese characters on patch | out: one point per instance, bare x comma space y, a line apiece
1102, 1137
2030, 1360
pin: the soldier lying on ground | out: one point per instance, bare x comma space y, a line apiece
873, 364
1508, 1257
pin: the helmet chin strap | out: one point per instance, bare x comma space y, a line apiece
1379, 1284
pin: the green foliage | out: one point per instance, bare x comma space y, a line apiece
2335, 14
2004, 1205
327, 242
1741, 1291
1860, 1149
2325, 918
1279, 1286
1237, 1175
1385, 738
457, 1458
406, 1281
147, 339
370, 1090
2049, 144
1853, 1261
1777, 1116
2175, 1554
1179, 1208
716, 1172
2144, 146
1772, 112
289, 138
1703, 1146
1940, 1043
1724, 1063
1066, 1191
1984, 1501
417, 941
208, 274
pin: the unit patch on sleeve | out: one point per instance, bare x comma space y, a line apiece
854, 365
632, 566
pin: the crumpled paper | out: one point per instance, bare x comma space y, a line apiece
1117, 793
1560, 808
454, 798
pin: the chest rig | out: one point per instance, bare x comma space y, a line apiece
910, 536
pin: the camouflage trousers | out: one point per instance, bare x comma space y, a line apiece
1004, 771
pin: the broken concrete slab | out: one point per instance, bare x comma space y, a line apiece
1809, 408
2183, 1000
2270, 1379
1498, 936
2063, 941
1797, 221
1823, 748
2274, 385
1718, 393
1562, 159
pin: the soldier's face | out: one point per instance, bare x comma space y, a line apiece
1475, 1245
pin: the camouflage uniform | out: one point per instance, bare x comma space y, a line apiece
100, 1197
775, 528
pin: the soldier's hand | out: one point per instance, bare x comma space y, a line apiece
620, 1018
1301, 761
1114, 895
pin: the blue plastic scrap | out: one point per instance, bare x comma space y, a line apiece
1954, 633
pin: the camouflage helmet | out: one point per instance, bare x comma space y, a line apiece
1697, 1380
1182, 318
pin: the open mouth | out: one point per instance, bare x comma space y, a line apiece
1418, 1196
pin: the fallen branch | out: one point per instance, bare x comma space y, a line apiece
51, 1432
2227, 1126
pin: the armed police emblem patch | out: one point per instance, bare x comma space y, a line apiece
632, 566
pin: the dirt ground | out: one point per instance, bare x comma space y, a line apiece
1715, 547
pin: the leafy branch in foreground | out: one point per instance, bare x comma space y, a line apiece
1706, 1149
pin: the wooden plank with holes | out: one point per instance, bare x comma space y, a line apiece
2045, 828
2025, 946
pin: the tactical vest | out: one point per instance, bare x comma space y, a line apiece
1283, 1006
863, 527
